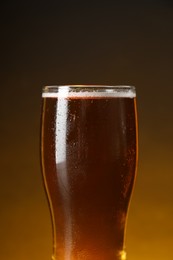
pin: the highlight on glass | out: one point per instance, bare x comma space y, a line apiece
89, 150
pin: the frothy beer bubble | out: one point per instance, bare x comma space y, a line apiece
66, 92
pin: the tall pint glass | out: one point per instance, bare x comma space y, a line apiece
89, 157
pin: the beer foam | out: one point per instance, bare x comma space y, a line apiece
120, 92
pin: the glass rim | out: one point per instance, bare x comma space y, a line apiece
88, 90
50, 88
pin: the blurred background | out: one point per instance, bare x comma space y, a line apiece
86, 42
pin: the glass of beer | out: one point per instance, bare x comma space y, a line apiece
89, 156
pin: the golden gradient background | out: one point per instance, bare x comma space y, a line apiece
69, 42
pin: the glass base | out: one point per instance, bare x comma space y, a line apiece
120, 256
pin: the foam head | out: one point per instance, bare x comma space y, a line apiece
81, 91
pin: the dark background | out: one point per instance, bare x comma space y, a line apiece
85, 42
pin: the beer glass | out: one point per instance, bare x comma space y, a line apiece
89, 157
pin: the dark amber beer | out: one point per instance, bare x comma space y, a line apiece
89, 155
